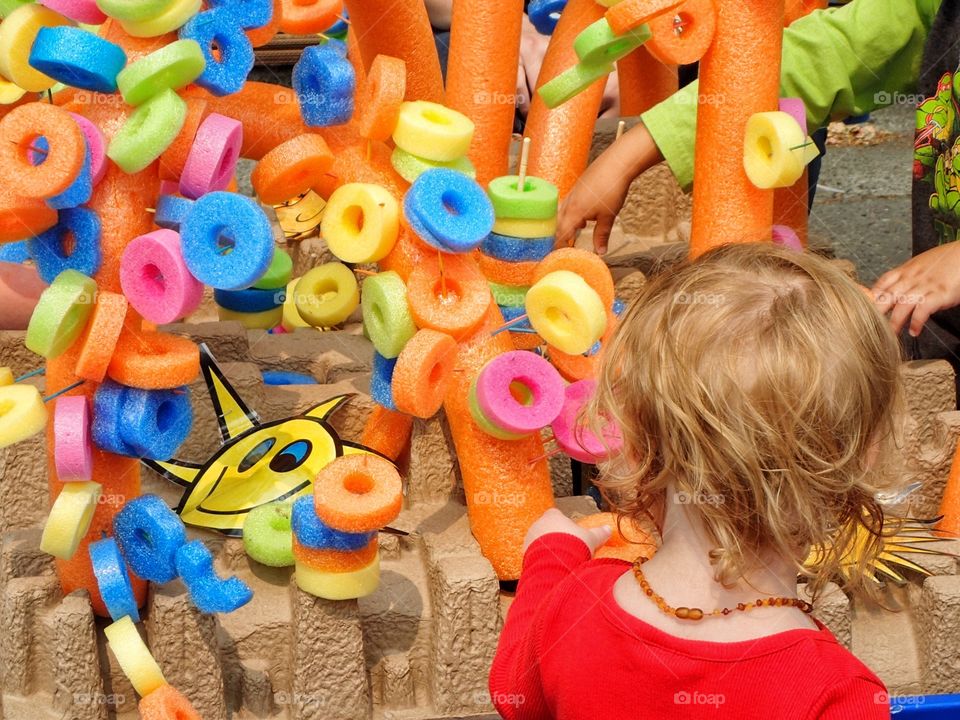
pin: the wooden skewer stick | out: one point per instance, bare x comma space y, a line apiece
366, 273
621, 127
32, 373
443, 277
506, 326
64, 391
545, 456
152, 211
524, 160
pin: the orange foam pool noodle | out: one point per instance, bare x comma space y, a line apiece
644, 82
387, 432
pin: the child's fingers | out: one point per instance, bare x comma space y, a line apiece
598, 537
567, 225
601, 233
905, 306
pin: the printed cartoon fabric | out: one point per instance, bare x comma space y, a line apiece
937, 155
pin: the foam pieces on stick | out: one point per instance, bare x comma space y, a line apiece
494, 392
423, 372
212, 160
65, 157
61, 315
154, 361
134, 657
73, 452
113, 579
361, 223
743, 66
378, 108
358, 493
69, 519
22, 413
683, 38
629, 14
292, 168
17, 35
339, 585
644, 81
155, 278
480, 74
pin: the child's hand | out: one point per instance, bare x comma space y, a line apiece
554, 521
923, 285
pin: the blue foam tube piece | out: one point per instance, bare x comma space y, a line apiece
209, 592
155, 423
78, 58
312, 532
282, 377
248, 14
250, 300
325, 83
511, 249
452, 208
150, 534
80, 190
106, 427
172, 210
381, 381
113, 580
544, 14
227, 73
47, 248
512, 313
14, 252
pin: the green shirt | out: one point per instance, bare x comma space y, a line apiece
842, 62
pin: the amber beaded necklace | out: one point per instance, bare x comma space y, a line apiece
685, 613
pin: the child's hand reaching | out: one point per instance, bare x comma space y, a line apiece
554, 521
922, 286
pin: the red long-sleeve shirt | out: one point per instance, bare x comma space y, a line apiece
569, 651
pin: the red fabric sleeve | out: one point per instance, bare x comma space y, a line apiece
855, 698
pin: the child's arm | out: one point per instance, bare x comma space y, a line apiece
856, 698
554, 547
922, 286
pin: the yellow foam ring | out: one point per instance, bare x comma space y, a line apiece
327, 295
566, 312
6, 376
291, 320
69, 519
169, 20
22, 413
10, 92
810, 151
361, 223
17, 33
339, 586
773, 150
514, 227
266, 320
432, 131
134, 657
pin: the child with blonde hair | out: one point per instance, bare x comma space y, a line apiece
754, 388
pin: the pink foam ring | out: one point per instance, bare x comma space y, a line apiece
155, 278
786, 237
83, 11
576, 440
212, 160
500, 406
796, 109
96, 145
72, 448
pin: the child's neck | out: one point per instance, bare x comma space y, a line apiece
681, 573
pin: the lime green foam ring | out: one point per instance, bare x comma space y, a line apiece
136, 11
386, 315
268, 536
537, 200
509, 295
598, 44
483, 422
570, 83
172, 67
8, 6
278, 274
62, 314
149, 130
410, 167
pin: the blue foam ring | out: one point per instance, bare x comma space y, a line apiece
227, 74
453, 208
107, 411
14, 252
209, 592
250, 300
619, 307
248, 14
593, 350
239, 220
47, 252
150, 534
381, 381
325, 84
419, 229
312, 532
113, 580
39, 150
512, 313
340, 27
544, 14
511, 249
80, 190
172, 210
155, 423
282, 377
78, 58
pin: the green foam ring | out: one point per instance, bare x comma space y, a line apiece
483, 422
268, 536
410, 167
136, 10
149, 130
278, 274
598, 44
570, 83
8, 6
386, 315
173, 66
61, 314
509, 295
538, 200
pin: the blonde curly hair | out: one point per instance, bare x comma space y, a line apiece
765, 379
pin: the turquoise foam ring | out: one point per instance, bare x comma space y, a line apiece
511, 249
150, 534
172, 67
544, 14
149, 130
539, 199
311, 532
226, 72
597, 44
208, 591
248, 14
381, 381
410, 167
172, 210
570, 83
452, 208
113, 580
250, 300
325, 83
47, 249
78, 58
80, 190
155, 423
227, 241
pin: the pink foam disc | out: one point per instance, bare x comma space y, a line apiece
786, 237
96, 145
536, 378
576, 440
72, 449
213, 158
795, 108
83, 11
155, 279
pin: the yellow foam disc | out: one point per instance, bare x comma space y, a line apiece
566, 312
10, 92
17, 32
169, 20
339, 586
69, 519
773, 150
134, 657
361, 223
291, 316
327, 295
266, 320
22, 413
6, 376
511, 227
432, 131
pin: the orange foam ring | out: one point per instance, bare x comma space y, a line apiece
262, 35
740, 76
630, 540
406, 35
790, 207
562, 137
950, 504
482, 78
796, 9
644, 82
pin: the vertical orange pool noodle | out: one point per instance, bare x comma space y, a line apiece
561, 138
353, 55
482, 77
644, 82
796, 9
790, 207
401, 29
950, 504
739, 76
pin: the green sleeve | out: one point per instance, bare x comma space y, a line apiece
841, 62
